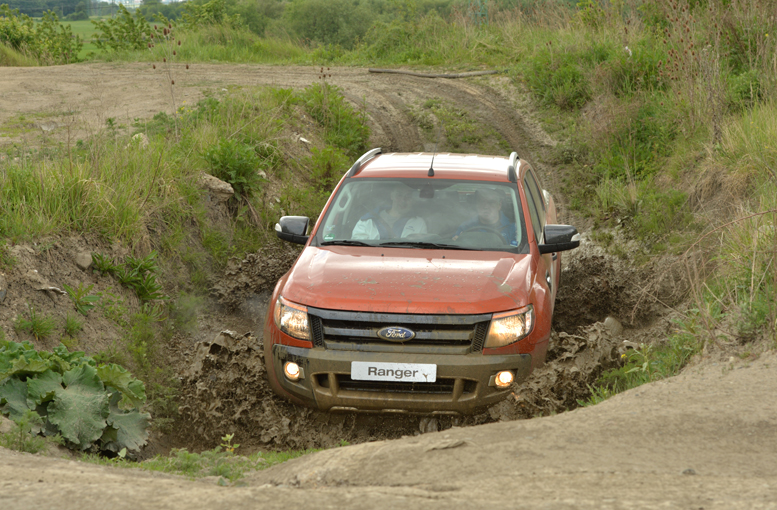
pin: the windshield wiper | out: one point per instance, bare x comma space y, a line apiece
345, 242
424, 244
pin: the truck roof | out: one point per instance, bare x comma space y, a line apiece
446, 166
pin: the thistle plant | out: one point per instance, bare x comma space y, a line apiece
170, 47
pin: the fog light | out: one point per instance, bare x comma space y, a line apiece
504, 379
291, 370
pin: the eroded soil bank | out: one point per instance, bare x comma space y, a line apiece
705, 439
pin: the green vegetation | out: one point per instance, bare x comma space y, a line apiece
23, 436
35, 324
67, 394
222, 461
47, 41
81, 298
648, 363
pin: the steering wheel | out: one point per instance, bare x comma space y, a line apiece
483, 228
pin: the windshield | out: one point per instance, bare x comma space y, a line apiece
425, 213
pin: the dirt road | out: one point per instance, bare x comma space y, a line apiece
88, 94
705, 439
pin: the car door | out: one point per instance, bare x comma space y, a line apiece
538, 213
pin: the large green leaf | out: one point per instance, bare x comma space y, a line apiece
131, 430
125, 429
23, 367
13, 398
121, 379
80, 409
44, 387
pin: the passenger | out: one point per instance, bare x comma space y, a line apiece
490, 218
393, 222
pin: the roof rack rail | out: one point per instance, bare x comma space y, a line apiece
512, 176
365, 157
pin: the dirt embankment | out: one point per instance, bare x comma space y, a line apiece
705, 439
686, 442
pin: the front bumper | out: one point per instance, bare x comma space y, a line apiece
463, 380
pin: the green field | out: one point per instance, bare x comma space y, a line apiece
85, 30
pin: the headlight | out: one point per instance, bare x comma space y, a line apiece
292, 319
509, 327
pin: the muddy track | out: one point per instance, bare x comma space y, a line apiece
79, 99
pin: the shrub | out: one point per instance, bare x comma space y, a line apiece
236, 163
90, 406
337, 22
48, 41
124, 32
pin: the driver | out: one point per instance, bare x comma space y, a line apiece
391, 222
490, 217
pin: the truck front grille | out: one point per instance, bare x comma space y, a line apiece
334, 329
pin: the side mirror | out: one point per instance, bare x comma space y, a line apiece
293, 229
560, 238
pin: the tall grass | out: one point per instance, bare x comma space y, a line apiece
736, 277
117, 187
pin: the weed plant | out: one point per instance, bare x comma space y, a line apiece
39, 326
23, 436
648, 363
83, 301
73, 326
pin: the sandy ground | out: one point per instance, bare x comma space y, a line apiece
706, 439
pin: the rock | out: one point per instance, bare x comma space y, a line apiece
221, 191
37, 282
428, 424
140, 140
84, 260
614, 326
6, 425
262, 174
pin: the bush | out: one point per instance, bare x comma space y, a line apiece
338, 22
66, 393
236, 163
638, 143
122, 32
48, 41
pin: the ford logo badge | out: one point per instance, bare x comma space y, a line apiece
396, 334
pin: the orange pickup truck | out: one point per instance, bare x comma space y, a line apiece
427, 285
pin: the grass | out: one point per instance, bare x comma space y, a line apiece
220, 461
442, 122
648, 363
35, 324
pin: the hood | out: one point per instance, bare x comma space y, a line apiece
415, 281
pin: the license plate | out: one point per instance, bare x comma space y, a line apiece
398, 372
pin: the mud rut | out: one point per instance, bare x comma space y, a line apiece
223, 379
225, 388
